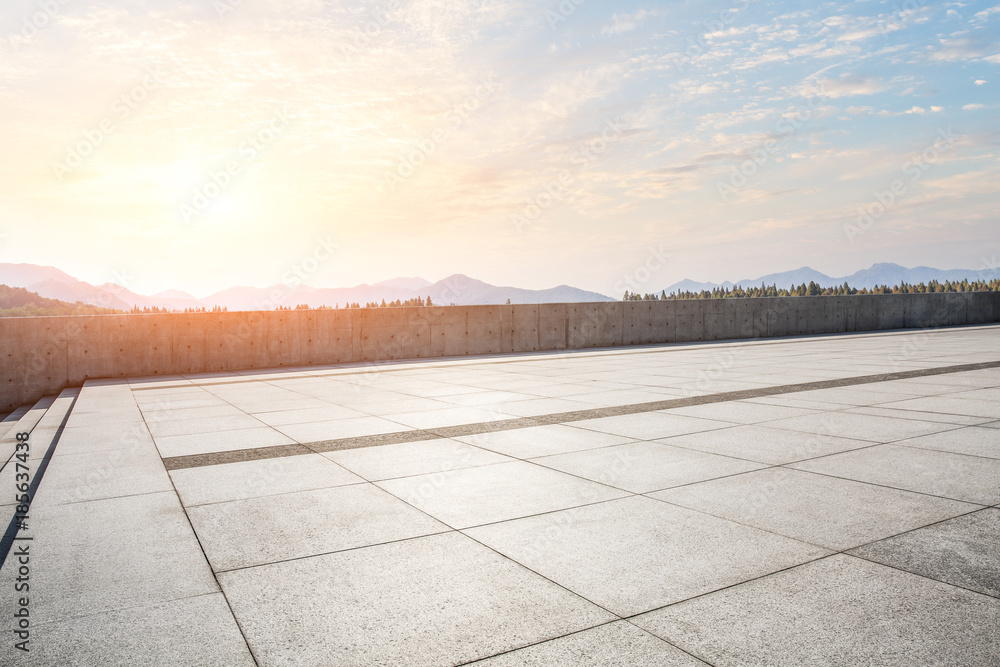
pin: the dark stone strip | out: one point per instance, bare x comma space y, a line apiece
179, 462
360, 441
487, 427
234, 456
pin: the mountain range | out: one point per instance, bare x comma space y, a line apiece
458, 289
877, 274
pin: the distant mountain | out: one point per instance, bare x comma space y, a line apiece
132, 299
22, 275
877, 274
796, 277
405, 283
175, 294
458, 289
692, 286
465, 291
78, 291
267, 298
52, 283
892, 274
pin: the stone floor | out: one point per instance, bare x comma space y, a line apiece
825, 500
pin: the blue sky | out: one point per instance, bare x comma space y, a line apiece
199, 145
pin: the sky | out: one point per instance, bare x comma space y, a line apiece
202, 145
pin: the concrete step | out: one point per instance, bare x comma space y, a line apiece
43, 422
29, 416
11, 420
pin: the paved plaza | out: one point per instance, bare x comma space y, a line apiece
826, 500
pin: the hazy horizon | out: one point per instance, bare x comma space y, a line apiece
203, 146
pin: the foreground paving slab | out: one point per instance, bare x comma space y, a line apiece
969, 478
971, 405
973, 441
442, 512
439, 600
254, 531
764, 444
859, 426
637, 554
961, 420
487, 494
831, 512
964, 551
197, 631
414, 458
837, 611
741, 412
618, 644
104, 474
253, 479
526, 443
220, 441
650, 425
641, 467
97, 556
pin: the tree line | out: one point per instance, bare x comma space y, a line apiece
814, 289
398, 303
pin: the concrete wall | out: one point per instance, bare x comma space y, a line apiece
42, 355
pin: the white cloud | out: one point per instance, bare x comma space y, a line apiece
912, 111
985, 14
848, 86
859, 35
980, 82
964, 48
622, 23
772, 56
973, 107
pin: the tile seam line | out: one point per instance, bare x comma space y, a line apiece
475, 661
197, 538
834, 550
178, 462
650, 348
105, 612
479, 661
850, 552
834, 553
